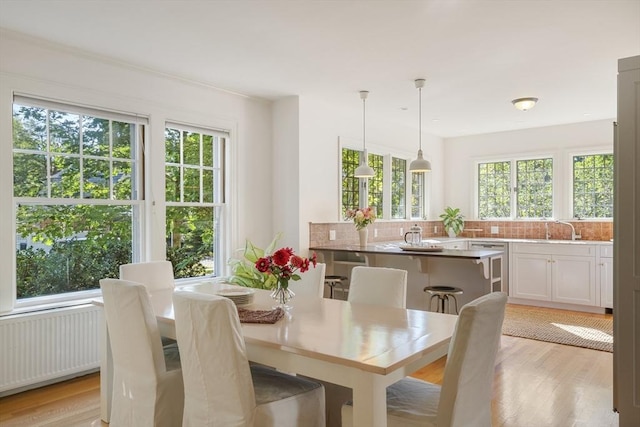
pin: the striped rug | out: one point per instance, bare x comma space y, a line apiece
587, 330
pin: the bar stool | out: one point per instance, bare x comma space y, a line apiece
443, 293
333, 281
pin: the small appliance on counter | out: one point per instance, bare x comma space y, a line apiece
414, 236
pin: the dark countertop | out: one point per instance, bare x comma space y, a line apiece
393, 249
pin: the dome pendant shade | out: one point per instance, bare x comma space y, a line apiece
364, 170
420, 164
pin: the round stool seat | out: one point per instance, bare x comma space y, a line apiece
333, 281
443, 294
443, 289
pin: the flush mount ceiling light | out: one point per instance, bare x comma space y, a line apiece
524, 104
420, 164
364, 170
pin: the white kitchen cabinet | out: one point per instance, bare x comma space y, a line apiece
574, 279
563, 273
605, 270
531, 276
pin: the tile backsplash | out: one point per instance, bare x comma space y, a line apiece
345, 232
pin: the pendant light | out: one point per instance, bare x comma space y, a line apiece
420, 164
364, 170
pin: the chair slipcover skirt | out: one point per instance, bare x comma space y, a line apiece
220, 387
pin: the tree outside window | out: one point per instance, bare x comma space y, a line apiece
533, 189
350, 184
398, 188
376, 183
534, 179
593, 186
194, 198
76, 193
494, 190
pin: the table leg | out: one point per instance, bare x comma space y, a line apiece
106, 372
369, 401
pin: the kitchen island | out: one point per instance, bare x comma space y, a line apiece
477, 272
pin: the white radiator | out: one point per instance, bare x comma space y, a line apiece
42, 346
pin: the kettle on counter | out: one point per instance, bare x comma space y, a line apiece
414, 236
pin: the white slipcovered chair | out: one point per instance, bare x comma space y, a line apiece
221, 389
311, 282
378, 286
464, 400
154, 274
147, 379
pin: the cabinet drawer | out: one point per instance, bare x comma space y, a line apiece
606, 251
555, 249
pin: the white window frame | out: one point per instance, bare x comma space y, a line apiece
221, 190
72, 298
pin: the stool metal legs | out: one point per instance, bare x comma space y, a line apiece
440, 302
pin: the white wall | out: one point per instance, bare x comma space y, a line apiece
286, 171
557, 141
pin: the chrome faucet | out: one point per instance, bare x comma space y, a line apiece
547, 234
574, 236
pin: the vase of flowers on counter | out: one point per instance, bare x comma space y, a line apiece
362, 217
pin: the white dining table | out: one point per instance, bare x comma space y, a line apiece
363, 347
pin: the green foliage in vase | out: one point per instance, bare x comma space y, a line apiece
452, 219
244, 271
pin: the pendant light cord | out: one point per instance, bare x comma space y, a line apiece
420, 117
363, 95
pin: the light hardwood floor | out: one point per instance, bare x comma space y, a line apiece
537, 384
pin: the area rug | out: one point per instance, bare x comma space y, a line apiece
559, 326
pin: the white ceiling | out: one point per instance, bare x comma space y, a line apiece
475, 55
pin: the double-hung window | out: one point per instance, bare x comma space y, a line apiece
78, 195
194, 184
515, 189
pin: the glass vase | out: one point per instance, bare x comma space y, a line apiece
282, 294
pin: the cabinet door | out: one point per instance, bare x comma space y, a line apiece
606, 282
574, 280
531, 275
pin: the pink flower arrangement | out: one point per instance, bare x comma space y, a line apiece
362, 217
284, 265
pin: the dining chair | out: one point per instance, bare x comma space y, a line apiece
147, 379
378, 286
154, 274
221, 388
464, 400
311, 282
